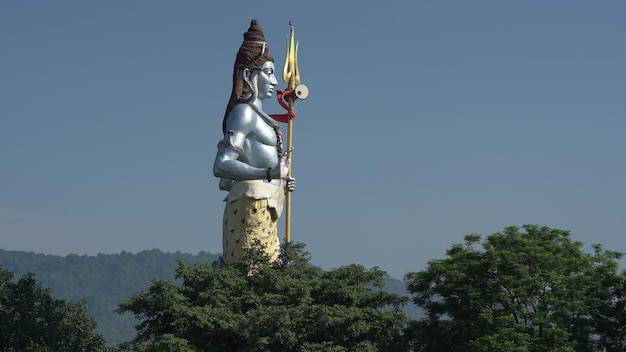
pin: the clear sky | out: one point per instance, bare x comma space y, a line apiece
426, 121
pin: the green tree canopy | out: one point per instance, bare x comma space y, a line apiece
32, 320
256, 305
526, 290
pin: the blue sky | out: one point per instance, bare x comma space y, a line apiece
426, 121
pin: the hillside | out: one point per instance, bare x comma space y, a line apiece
105, 280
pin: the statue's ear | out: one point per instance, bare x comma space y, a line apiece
247, 75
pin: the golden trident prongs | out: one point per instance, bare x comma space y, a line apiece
291, 76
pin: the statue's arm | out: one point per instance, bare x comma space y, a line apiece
227, 164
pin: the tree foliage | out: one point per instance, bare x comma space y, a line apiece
32, 320
256, 305
526, 290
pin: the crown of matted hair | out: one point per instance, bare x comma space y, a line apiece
253, 52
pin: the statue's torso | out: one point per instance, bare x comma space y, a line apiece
255, 136
260, 144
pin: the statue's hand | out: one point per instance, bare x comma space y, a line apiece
290, 183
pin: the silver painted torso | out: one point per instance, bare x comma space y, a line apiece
258, 141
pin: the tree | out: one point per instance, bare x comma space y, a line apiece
256, 305
531, 290
31, 320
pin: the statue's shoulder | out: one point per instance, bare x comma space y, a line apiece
242, 110
241, 115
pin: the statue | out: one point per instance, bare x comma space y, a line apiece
250, 161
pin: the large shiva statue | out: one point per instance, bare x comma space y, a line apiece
250, 161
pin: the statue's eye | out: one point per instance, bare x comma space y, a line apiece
268, 71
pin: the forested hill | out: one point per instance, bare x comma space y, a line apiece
103, 280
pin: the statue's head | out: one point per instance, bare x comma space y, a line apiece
260, 81
253, 64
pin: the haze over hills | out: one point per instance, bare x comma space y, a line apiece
105, 280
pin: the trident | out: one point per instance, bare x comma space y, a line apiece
295, 91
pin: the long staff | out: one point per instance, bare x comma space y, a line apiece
291, 76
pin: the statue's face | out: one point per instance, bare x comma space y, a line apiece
266, 81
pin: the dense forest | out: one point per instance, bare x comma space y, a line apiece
106, 280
